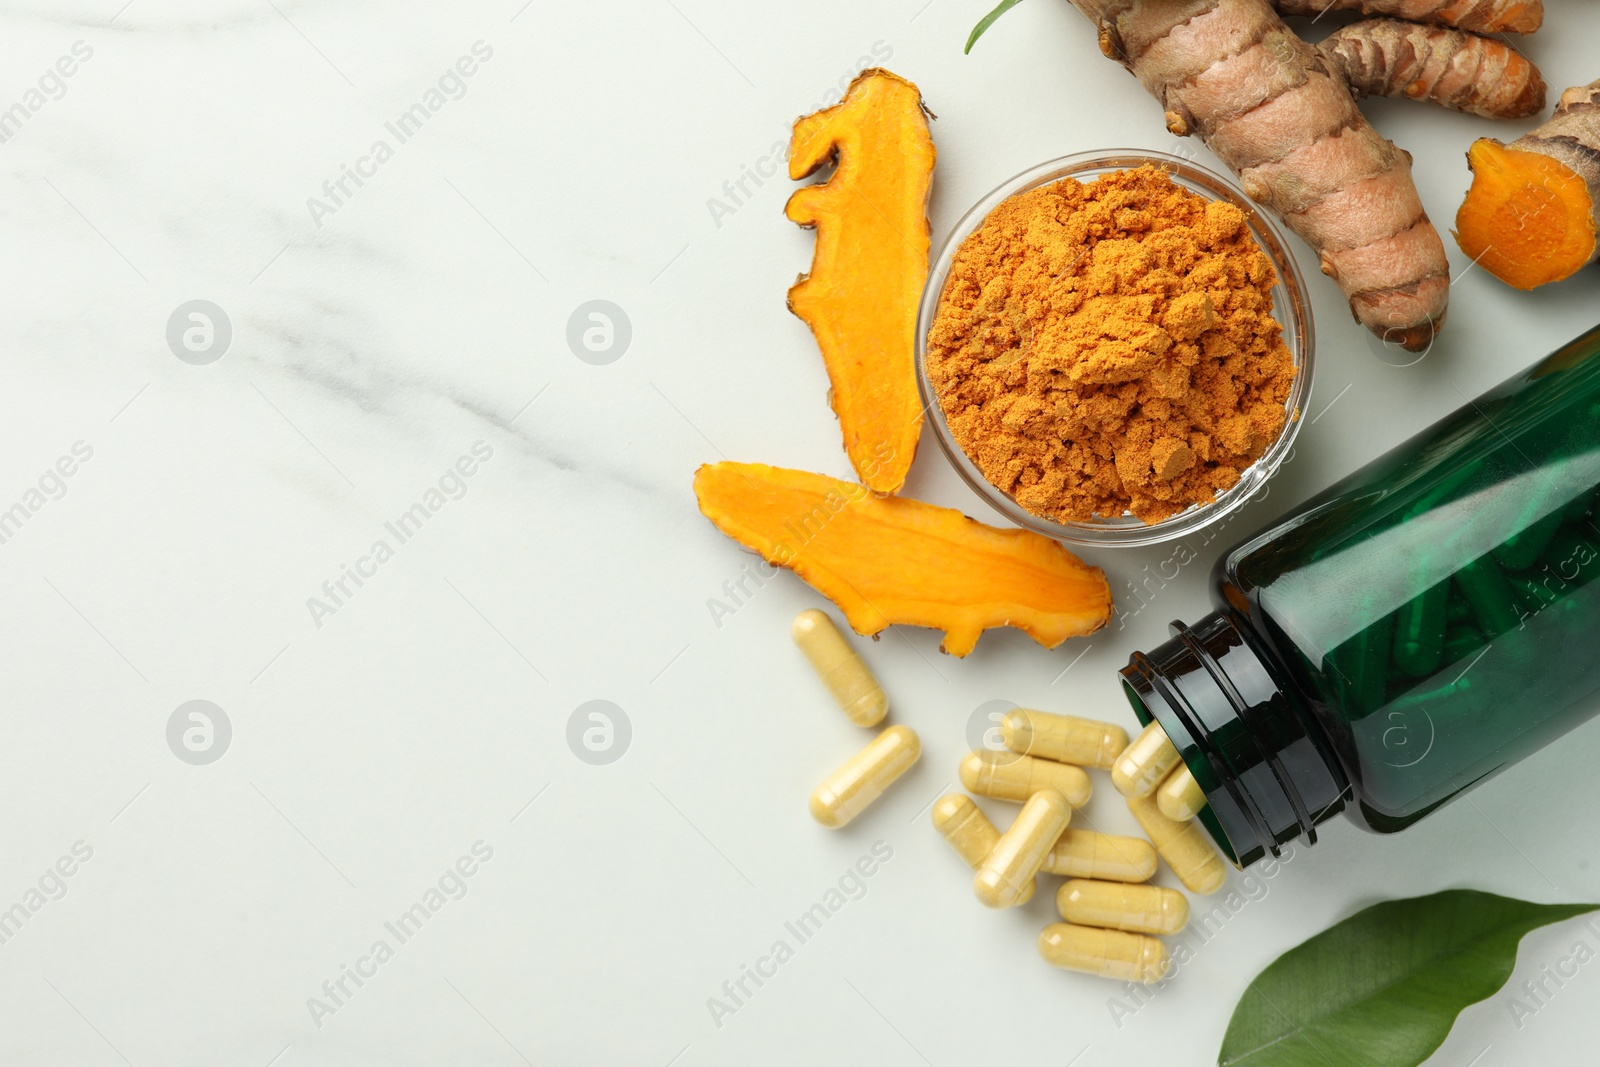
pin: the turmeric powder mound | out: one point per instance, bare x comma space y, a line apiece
1109, 347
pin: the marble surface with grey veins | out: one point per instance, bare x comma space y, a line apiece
374, 693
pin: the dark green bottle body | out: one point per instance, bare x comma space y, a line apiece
1421, 625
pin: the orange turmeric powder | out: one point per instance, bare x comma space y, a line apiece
1109, 347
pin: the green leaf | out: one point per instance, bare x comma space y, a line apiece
987, 21
1383, 987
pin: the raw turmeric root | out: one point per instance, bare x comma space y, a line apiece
1281, 114
1451, 68
890, 560
1479, 16
1533, 211
871, 261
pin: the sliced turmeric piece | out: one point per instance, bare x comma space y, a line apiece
1533, 211
870, 263
886, 560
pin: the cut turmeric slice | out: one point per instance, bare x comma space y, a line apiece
1531, 215
870, 263
887, 560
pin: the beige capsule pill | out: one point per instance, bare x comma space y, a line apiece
1088, 854
1107, 953
1005, 873
1064, 738
969, 831
850, 683
1008, 776
1183, 845
1138, 909
862, 778
1180, 797
1142, 765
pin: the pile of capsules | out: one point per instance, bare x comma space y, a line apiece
1111, 916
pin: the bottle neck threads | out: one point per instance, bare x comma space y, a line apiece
1245, 733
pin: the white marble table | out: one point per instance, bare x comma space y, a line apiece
400, 535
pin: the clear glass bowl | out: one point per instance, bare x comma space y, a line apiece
1289, 305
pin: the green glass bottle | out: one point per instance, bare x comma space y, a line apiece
1421, 625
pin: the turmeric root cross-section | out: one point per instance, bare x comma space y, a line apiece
890, 560
871, 261
1533, 213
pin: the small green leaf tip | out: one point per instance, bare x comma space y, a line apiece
987, 21
1385, 985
